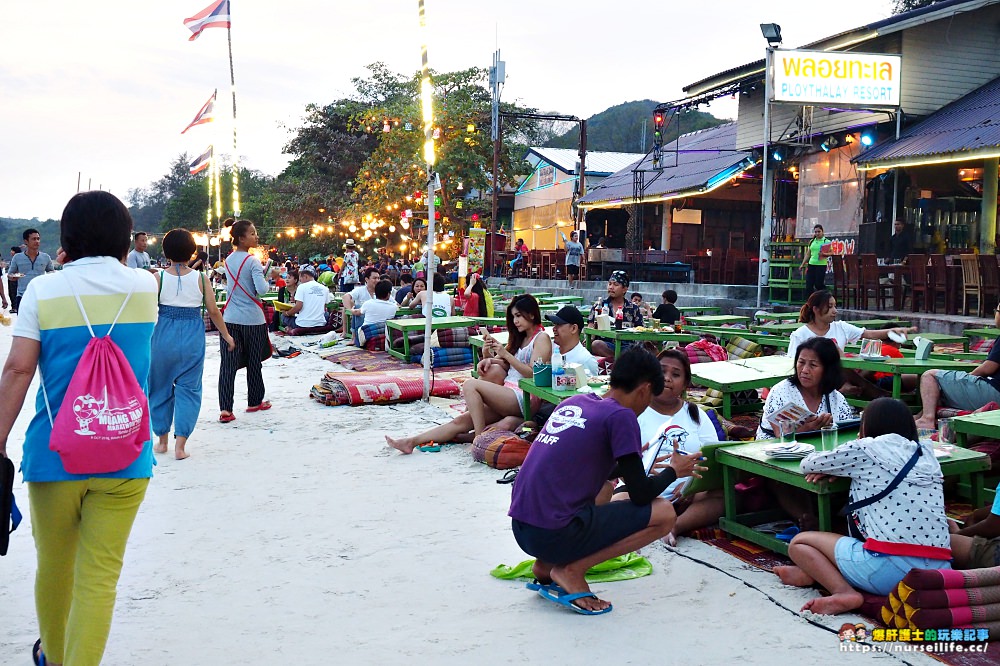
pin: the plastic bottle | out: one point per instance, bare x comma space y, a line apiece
619, 319
557, 363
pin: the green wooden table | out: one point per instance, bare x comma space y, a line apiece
939, 339
974, 356
549, 394
490, 321
903, 366
784, 329
986, 333
565, 300
715, 320
750, 458
631, 335
986, 424
405, 326
730, 377
776, 316
699, 309
877, 324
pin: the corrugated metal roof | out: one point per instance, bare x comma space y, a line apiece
886, 26
968, 124
598, 163
692, 172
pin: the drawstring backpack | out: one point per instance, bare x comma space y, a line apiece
103, 422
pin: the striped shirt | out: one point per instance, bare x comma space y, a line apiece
49, 314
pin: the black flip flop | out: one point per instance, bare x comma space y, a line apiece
36, 653
10, 517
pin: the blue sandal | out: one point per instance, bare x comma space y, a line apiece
565, 599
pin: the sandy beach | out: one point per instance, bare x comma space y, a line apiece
296, 536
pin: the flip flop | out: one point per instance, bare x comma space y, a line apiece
535, 586
227, 418
564, 599
10, 517
260, 408
430, 447
775, 528
36, 654
788, 534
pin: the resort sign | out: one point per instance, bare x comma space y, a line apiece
838, 79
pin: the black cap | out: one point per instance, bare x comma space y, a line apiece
566, 315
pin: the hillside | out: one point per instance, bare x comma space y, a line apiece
619, 128
11, 230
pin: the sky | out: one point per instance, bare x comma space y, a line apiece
100, 91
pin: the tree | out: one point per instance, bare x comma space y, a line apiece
394, 173
900, 6
149, 205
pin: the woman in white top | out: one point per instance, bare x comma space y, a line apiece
440, 301
819, 318
178, 346
813, 386
488, 400
673, 420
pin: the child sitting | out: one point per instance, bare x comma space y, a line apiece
667, 312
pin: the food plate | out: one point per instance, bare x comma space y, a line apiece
873, 358
16, 275
788, 450
899, 338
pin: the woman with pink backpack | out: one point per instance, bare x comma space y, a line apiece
87, 330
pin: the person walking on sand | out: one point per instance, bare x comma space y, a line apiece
588, 440
80, 522
244, 317
178, 359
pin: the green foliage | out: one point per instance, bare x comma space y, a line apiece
11, 230
149, 205
619, 128
900, 6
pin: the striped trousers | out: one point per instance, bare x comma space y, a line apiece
250, 340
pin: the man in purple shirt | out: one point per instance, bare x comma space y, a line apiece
585, 442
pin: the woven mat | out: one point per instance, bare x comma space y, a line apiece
362, 360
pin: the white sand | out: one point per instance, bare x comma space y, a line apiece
295, 536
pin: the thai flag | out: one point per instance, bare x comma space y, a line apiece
204, 114
202, 161
215, 15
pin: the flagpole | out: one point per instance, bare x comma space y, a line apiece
427, 112
236, 154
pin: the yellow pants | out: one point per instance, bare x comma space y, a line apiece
80, 530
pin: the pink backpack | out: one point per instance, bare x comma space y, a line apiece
103, 422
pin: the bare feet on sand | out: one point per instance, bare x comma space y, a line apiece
542, 572
573, 582
835, 604
792, 575
179, 451
670, 540
161, 444
402, 445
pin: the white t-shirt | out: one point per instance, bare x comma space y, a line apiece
785, 393
441, 304
680, 428
579, 354
376, 311
313, 297
138, 259
360, 294
840, 332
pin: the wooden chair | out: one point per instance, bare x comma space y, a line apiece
715, 265
972, 283
732, 268
852, 276
839, 278
917, 268
990, 272
870, 283
937, 283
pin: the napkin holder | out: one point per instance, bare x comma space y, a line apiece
924, 347
603, 322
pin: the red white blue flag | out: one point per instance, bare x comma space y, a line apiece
202, 161
204, 114
216, 15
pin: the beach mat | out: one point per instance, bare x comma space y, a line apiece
362, 360
379, 388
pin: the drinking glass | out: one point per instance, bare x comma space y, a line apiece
946, 431
786, 433
829, 434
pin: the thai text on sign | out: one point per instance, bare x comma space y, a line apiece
838, 79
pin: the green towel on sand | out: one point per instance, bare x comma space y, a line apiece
624, 567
